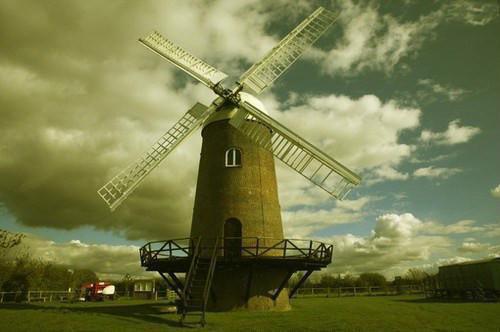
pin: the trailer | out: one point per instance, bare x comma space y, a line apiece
478, 279
98, 291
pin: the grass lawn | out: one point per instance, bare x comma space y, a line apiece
390, 313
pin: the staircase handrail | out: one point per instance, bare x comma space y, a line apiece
189, 276
208, 281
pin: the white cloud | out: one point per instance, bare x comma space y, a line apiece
375, 41
300, 223
106, 260
400, 241
473, 247
459, 227
466, 226
385, 173
454, 134
395, 242
396, 226
436, 172
495, 192
97, 104
478, 13
361, 133
451, 93
370, 41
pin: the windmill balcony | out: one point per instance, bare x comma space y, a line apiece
175, 255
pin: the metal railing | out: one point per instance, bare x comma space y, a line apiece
239, 247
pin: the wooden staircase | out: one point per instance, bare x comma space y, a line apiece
197, 286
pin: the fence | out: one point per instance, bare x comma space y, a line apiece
65, 296
359, 291
169, 295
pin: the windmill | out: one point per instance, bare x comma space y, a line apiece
236, 255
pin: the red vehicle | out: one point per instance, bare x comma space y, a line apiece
98, 291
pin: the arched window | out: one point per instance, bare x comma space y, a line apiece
233, 157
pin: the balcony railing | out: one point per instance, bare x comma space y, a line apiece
239, 247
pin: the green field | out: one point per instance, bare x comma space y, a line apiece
390, 313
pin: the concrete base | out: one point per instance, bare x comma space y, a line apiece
247, 288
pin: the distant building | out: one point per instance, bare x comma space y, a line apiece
476, 279
144, 288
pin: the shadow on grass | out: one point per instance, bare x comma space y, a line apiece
148, 312
440, 300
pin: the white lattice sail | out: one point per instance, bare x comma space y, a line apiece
295, 152
280, 58
118, 188
185, 61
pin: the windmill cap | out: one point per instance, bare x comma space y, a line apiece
228, 111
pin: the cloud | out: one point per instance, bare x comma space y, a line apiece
454, 134
305, 221
473, 247
395, 226
459, 227
386, 173
395, 241
476, 13
109, 261
466, 226
95, 104
400, 241
80, 99
431, 87
363, 133
495, 192
436, 172
372, 40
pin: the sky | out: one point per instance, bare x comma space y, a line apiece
404, 93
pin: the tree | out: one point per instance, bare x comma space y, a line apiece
126, 285
82, 276
8, 241
416, 276
371, 279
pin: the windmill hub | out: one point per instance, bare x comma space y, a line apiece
236, 256
227, 110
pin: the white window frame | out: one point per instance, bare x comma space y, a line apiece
228, 155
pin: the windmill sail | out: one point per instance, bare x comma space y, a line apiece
117, 189
295, 152
275, 63
185, 61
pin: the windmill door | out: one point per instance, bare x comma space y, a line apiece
232, 238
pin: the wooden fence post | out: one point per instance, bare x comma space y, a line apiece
354, 290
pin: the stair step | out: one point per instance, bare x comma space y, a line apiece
191, 307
